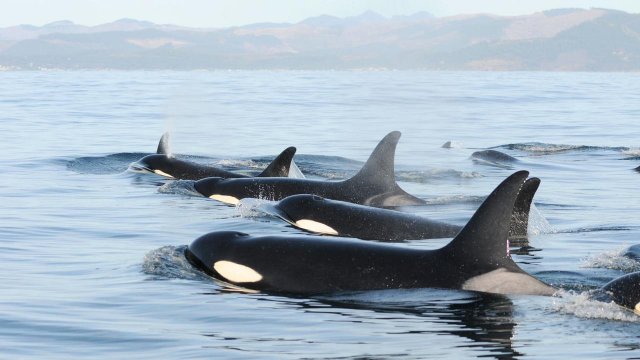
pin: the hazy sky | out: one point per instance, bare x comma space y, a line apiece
222, 13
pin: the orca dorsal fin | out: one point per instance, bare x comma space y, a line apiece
280, 166
521, 208
380, 167
484, 240
163, 145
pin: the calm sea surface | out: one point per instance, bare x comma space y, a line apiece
91, 262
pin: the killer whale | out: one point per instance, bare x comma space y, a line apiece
373, 185
494, 158
319, 215
161, 163
476, 259
625, 291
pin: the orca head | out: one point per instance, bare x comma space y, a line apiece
305, 211
212, 254
301, 206
625, 291
159, 164
208, 187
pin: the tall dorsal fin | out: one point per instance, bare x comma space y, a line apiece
380, 167
163, 145
520, 215
483, 241
279, 167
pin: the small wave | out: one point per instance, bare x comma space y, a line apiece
169, 262
103, 165
425, 176
613, 260
595, 229
179, 187
584, 305
544, 148
456, 199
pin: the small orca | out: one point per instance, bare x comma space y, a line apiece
625, 291
374, 185
163, 164
476, 259
318, 215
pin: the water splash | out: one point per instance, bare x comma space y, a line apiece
169, 262
584, 305
251, 208
295, 172
613, 260
538, 224
632, 152
179, 187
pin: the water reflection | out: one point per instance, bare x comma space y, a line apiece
484, 319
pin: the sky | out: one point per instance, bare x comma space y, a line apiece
225, 13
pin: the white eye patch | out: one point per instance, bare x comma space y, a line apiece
236, 272
315, 227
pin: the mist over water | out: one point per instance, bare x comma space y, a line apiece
92, 260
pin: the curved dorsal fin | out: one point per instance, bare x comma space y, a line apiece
163, 145
379, 168
520, 215
279, 167
484, 240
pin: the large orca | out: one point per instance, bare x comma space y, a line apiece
476, 259
163, 164
319, 215
374, 185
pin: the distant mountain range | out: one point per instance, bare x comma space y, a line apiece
555, 40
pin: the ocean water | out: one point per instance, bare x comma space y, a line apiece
91, 262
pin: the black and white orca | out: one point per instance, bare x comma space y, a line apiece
331, 217
161, 163
476, 259
374, 185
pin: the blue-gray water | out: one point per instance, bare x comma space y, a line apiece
90, 257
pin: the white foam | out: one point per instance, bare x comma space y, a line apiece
632, 152
614, 260
583, 306
250, 207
